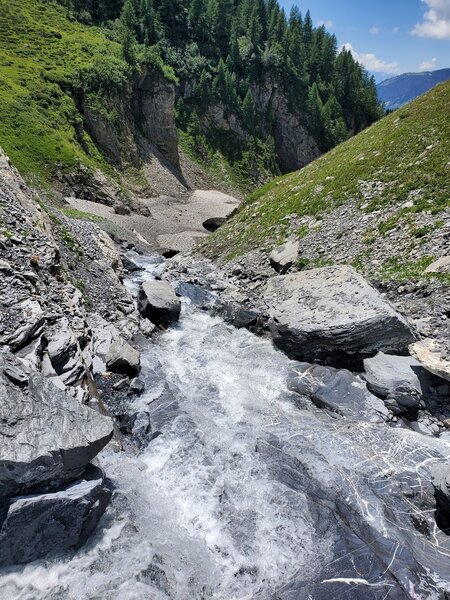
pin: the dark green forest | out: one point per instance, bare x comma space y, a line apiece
220, 50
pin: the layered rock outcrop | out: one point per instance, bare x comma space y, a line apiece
47, 438
40, 524
137, 122
295, 146
334, 315
51, 497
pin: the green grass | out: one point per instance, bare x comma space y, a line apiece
395, 268
41, 54
69, 240
227, 160
406, 153
73, 213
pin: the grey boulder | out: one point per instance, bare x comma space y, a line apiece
123, 358
338, 391
237, 315
37, 525
158, 302
283, 257
333, 315
62, 349
442, 265
430, 354
402, 380
46, 437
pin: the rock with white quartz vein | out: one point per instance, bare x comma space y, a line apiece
337, 391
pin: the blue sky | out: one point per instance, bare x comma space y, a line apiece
387, 36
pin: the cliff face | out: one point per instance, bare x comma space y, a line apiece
135, 122
141, 120
295, 146
154, 114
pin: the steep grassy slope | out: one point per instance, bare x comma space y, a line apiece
42, 54
393, 177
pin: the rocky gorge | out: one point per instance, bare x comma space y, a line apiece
181, 428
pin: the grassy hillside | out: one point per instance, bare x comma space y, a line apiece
394, 174
42, 54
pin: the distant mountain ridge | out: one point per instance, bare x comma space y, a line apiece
397, 91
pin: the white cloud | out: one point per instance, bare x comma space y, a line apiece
374, 30
372, 63
328, 24
436, 21
427, 65
396, 29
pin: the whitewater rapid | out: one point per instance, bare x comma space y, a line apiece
219, 507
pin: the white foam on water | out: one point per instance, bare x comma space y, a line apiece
197, 515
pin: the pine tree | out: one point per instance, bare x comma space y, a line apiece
255, 28
226, 85
129, 24
150, 24
129, 47
223, 26
249, 112
129, 17
334, 128
315, 108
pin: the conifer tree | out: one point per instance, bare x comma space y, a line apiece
315, 109
151, 27
249, 112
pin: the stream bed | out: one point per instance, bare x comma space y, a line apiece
248, 491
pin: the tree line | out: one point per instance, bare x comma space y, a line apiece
220, 49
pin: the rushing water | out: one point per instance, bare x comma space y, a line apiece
242, 495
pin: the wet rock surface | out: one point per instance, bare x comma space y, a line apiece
42, 524
337, 391
158, 302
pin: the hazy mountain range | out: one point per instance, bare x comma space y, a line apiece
397, 91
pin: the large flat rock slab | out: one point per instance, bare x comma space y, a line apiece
333, 315
46, 437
